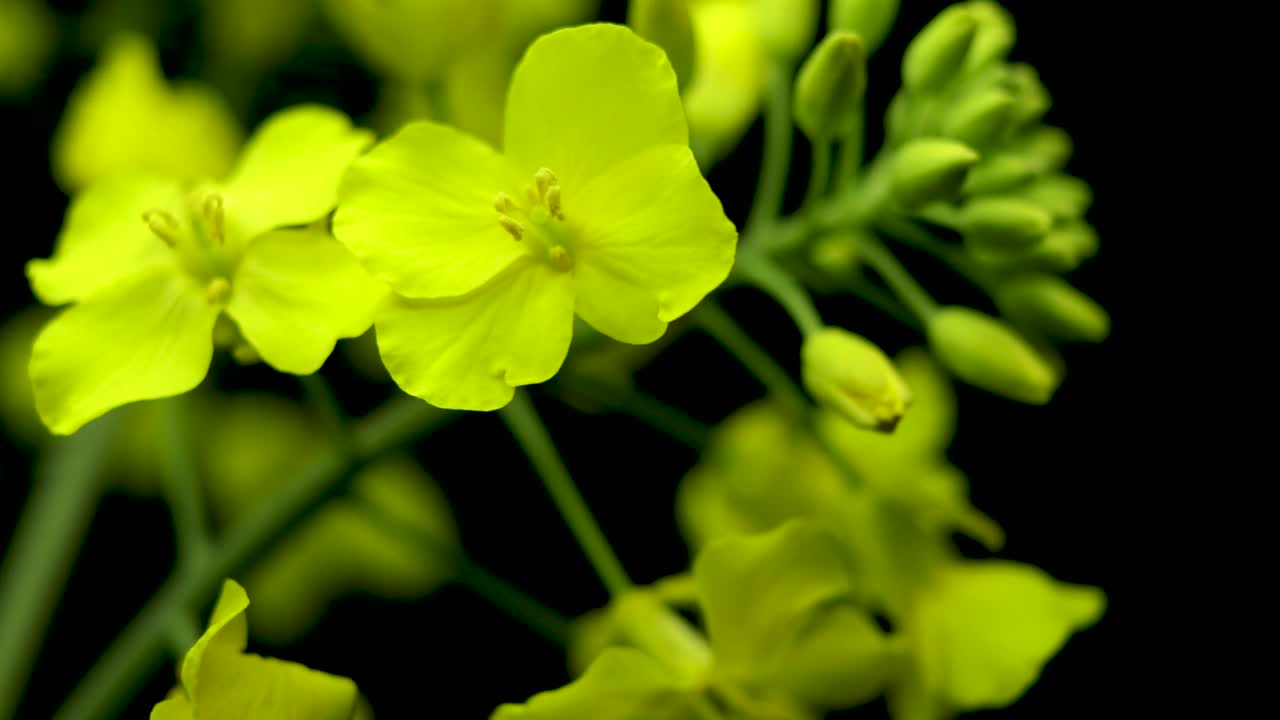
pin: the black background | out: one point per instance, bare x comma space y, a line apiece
1074, 484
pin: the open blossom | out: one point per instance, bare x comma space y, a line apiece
595, 206
150, 266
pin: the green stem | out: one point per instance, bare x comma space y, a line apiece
183, 488
777, 149
851, 149
819, 173
138, 650
721, 327
522, 418
643, 407
897, 278
765, 274
885, 302
325, 405
53, 525
912, 235
513, 601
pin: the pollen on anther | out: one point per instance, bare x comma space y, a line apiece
163, 225
553, 202
214, 216
560, 258
218, 291
544, 179
511, 226
503, 203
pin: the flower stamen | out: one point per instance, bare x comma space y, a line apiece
163, 225
511, 226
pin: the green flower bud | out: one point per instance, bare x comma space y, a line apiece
870, 19
989, 354
1032, 97
1049, 146
835, 255
786, 27
1004, 224
850, 375
1061, 251
830, 87
994, 36
981, 118
669, 25
1051, 305
1064, 196
926, 170
935, 56
997, 173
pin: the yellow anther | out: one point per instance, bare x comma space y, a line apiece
164, 225
560, 258
214, 217
218, 291
504, 204
553, 202
511, 226
542, 180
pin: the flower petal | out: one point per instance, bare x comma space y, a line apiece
295, 293
178, 708
249, 687
148, 336
289, 171
469, 353
226, 634
586, 98
124, 118
418, 211
985, 630
105, 239
655, 241
622, 684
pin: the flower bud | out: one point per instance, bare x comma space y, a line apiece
870, 19
994, 36
980, 118
1004, 224
850, 375
1064, 196
830, 87
669, 25
929, 169
1049, 146
935, 56
987, 353
786, 27
1051, 305
998, 173
1031, 96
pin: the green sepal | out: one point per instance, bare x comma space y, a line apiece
1000, 172
830, 87
1064, 196
1051, 305
1003, 224
937, 53
980, 118
870, 19
986, 352
853, 377
994, 36
928, 170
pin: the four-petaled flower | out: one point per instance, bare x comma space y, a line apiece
151, 267
596, 206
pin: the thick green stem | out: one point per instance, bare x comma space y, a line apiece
53, 525
791, 295
522, 418
182, 484
777, 149
851, 149
819, 173
139, 649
